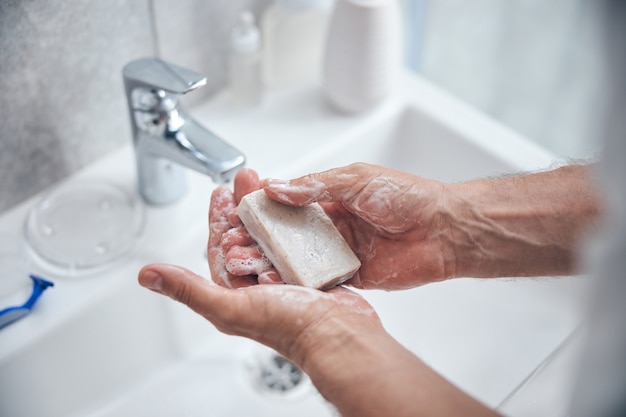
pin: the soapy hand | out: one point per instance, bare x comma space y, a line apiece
295, 321
303, 324
407, 231
235, 260
334, 336
396, 223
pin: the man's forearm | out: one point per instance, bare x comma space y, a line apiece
369, 374
526, 225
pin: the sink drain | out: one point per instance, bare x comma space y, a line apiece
275, 374
278, 379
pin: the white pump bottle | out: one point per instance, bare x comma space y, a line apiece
362, 54
245, 62
294, 36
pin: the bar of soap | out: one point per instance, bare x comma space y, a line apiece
302, 243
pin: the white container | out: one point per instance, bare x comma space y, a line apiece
363, 53
245, 62
294, 35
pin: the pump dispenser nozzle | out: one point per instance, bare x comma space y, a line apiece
246, 37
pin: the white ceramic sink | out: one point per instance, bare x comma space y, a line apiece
101, 346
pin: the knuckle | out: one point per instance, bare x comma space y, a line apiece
183, 293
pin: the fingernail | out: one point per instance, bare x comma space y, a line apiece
279, 189
151, 280
270, 277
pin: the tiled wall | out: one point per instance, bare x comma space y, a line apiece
61, 95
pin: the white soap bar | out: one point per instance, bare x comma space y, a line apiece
302, 243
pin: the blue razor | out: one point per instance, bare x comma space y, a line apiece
12, 314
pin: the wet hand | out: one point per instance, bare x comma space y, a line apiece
295, 321
235, 260
395, 222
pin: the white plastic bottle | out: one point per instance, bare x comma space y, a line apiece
245, 62
294, 36
363, 53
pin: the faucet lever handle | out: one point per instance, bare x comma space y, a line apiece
154, 73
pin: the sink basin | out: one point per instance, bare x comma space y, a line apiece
220, 385
101, 346
488, 334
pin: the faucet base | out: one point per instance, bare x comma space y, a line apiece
161, 181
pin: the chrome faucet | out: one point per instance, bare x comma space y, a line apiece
166, 138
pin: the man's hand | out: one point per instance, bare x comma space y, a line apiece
396, 223
292, 320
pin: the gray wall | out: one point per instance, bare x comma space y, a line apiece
536, 65
61, 94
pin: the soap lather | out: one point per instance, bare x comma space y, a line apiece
302, 243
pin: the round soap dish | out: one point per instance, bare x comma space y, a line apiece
82, 227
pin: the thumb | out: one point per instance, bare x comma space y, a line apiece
213, 302
338, 184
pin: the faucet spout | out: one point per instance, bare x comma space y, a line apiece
167, 139
201, 150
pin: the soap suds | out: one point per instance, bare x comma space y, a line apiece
349, 178
285, 198
222, 203
299, 295
308, 191
219, 266
356, 304
233, 218
247, 260
237, 236
375, 198
375, 201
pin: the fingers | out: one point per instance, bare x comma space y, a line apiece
384, 198
273, 315
237, 236
222, 204
339, 184
225, 228
270, 276
246, 262
246, 181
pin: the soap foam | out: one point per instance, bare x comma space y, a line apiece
298, 294
308, 191
301, 295
237, 236
219, 266
354, 302
222, 203
375, 202
247, 266
348, 178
